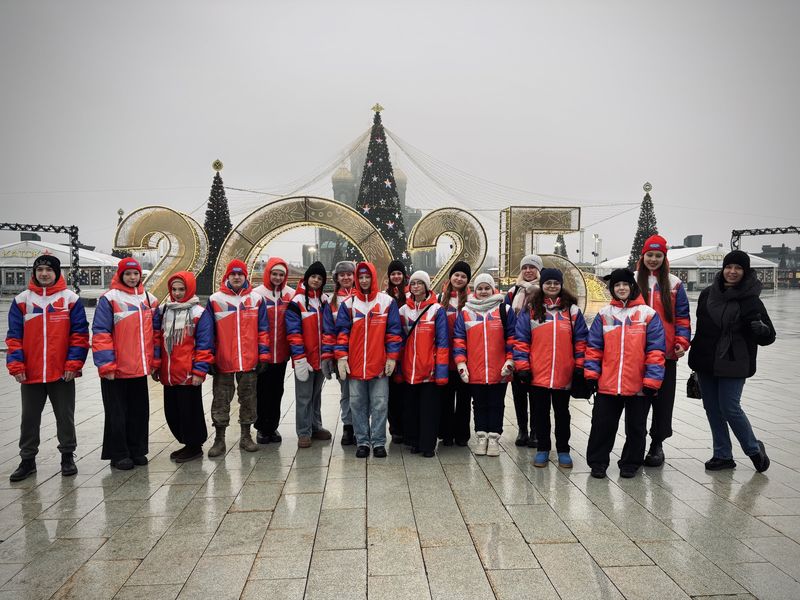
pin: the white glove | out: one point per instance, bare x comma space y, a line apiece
508, 368
343, 368
463, 372
301, 369
390, 365
326, 366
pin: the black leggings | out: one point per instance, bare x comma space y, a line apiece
542, 399
663, 403
605, 422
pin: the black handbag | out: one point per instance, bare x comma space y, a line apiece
693, 387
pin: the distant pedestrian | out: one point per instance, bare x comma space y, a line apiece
47, 341
732, 323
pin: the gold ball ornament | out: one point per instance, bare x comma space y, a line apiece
217, 165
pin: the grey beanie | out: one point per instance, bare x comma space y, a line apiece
344, 266
531, 259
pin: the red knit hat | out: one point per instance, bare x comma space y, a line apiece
655, 243
235, 266
127, 264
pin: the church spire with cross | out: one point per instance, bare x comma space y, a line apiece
378, 200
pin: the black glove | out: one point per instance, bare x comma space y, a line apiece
649, 392
759, 328
591, 385
524, 377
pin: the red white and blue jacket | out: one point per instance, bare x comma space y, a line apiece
47, 333
425, 354
625, 348
339, 299
679, 331
368, 330
124, 332
450, 306
552, 350
241, 328
195, 353
310, 328
276, 302
480, 340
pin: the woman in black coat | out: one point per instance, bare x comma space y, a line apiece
731, 323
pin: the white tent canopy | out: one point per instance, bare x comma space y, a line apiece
22, 254
701, 257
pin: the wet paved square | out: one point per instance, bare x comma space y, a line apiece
319, 523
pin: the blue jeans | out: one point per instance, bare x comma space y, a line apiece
344, 402
369, 406
721, 399
308, 403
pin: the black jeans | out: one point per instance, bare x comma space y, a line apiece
605, 422
542, 399
421, 413
183, 410
397, 402
663, 403
127, 410
523, 398
455, 409
62, 399
269, 393
488, 403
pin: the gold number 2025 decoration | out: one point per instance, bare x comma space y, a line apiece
467, 233
186, 243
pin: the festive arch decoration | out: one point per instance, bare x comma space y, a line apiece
248, 239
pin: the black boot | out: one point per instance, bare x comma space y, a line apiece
522, 439
655, 456
348, 438
25, 469
68, 468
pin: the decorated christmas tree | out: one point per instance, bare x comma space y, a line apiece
377, 195
217, 226
647, 226
561, 245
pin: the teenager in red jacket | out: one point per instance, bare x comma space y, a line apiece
126, 350
241, 335
454, 425
311, 334
368, 343
269, 385
664, 292
423, 364
187, 352
344, 275
550, 345
397, 288
47, 341
519, 296
483, 341
625, 364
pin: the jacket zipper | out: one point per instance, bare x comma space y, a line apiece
141, 334
239, 332
486, 348
553, 357
621, 352
44, 338
275, 331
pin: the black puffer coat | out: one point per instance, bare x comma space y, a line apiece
723, 344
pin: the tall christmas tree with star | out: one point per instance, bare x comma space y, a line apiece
377, 195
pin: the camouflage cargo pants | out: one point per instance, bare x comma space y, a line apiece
223, 388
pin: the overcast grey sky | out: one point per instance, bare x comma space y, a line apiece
118, 105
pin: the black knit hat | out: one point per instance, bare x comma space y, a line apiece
316, 268
461, 267
619, 275
397, 265
737, 257
551, 275
49, 260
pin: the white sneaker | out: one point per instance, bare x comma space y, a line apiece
480, 447
493, 445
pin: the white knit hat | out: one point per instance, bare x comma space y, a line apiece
421, 276
533, 260
484, 278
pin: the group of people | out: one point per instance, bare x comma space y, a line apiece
427, 363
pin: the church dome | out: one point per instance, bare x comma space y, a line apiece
342, 174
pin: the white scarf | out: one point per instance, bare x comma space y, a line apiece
485, 305
177, 322
523, 294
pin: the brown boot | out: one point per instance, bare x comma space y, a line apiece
246, 442
218, 449
321, 434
